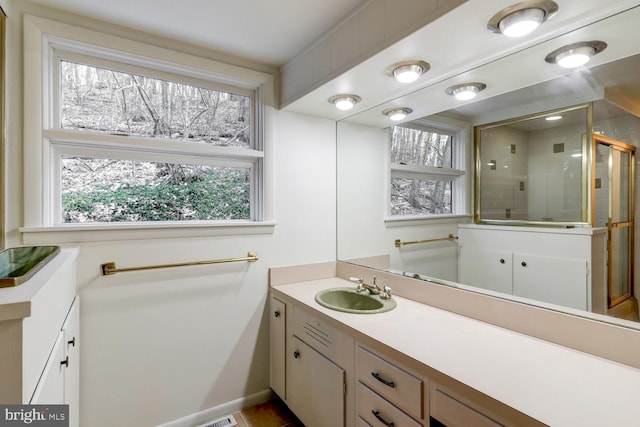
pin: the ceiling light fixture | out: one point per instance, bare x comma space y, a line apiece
576, 54
466, 91
553, 118
522, 18
344, 101
397, 114
407, 71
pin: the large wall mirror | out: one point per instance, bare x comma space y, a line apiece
599, 103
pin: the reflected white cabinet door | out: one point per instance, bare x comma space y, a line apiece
316, 389
561, 281
485, 268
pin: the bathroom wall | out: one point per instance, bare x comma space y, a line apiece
363, 200
161, 345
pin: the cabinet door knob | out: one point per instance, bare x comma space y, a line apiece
276, 313
72, 342
501, 260
524, 264
65, 362
382, 420
296, 354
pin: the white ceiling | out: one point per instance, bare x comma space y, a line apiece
268, 31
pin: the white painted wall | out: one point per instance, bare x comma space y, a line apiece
363, 199
160, 345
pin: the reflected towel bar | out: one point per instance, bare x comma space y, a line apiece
442, 239
109, 268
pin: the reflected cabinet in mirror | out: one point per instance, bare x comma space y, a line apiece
540, 211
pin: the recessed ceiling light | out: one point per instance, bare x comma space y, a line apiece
576, 54
408, 71
344, 101
522, 18
396, 114
466, 91
553, 118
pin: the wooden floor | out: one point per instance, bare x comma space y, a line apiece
271, 414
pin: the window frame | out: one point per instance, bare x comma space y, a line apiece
45, 44
459, 174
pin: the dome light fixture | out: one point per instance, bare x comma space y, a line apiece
466, 91
576, 54
397, 114
344, 102
522, 18
407, 71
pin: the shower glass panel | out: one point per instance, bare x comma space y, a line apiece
534, 169
619, 259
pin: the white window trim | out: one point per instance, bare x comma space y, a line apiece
41, 37
462, 178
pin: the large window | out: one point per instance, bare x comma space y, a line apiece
423, 172
115, 113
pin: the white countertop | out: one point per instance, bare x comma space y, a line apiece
553, 384
15, 301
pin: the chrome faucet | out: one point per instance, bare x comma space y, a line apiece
374, 289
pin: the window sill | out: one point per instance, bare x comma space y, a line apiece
78, 233
415, 220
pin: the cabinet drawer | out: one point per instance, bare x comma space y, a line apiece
454, 413
378, 412
396, 385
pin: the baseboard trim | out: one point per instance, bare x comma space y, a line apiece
221, 410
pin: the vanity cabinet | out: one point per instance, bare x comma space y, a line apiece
39, 338
319, 366
453, 411
559, 266
386, 393
317, 387
277, 349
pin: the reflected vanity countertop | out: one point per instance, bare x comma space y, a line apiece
15, 302
553, 384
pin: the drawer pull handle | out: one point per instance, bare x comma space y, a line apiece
382, 380
65, 362
72, 342
296, 354
382, 420
277, 313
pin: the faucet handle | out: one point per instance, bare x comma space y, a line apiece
386, 292
360, 283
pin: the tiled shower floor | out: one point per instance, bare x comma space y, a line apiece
271, 414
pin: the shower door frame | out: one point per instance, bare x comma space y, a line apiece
630, 150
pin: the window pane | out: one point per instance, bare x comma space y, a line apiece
417, 147
420, 196
110, 190
100, 100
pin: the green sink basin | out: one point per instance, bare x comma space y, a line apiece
17, 265
350, 301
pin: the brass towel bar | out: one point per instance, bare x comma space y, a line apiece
110, 267
442, 239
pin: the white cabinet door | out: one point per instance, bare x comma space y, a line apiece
561, 281
485, 268
277, 322
71, 331
50, 388
316, 387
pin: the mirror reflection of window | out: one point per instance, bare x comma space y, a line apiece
534, 169
422, 171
